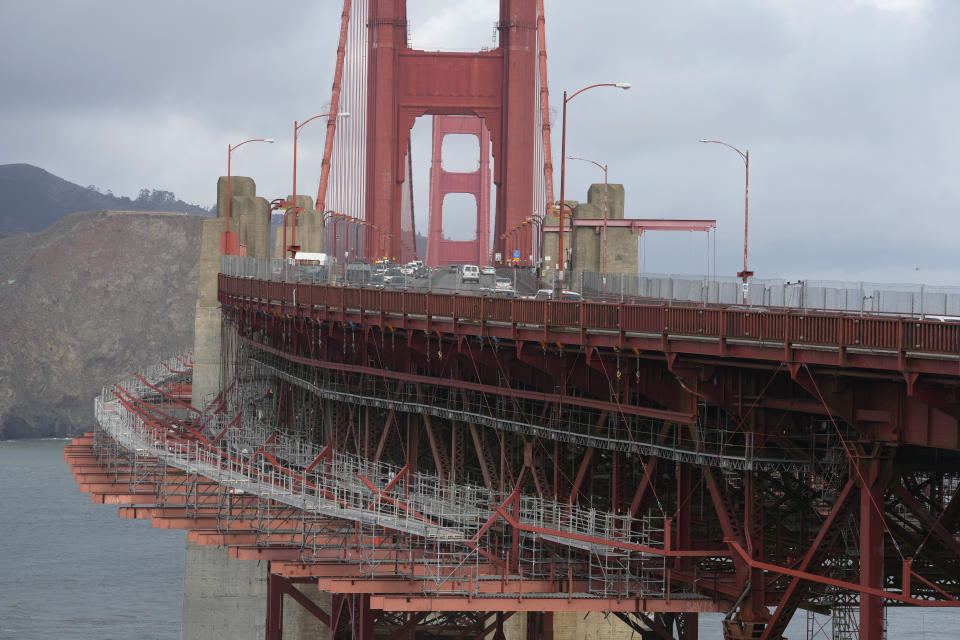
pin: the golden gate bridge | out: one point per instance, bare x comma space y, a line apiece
444, 463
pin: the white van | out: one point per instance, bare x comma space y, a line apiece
470, 273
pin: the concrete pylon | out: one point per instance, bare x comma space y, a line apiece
239, 186
222, 598
206, 325
616, 197
568, 626
252, 220
310, 235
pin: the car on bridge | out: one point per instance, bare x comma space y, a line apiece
548, 294
394, 278
470, 273
488, 271
415, 269
503, 284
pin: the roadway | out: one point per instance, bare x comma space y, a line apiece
444, 279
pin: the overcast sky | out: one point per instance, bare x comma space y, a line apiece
848, 108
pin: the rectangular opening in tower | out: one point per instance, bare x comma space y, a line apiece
462, 25
460, 153
459, 217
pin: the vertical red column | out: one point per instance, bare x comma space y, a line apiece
500, 86
514, 163
441, 251
388, 36
871, 547
274, 623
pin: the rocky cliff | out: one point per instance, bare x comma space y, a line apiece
95, 296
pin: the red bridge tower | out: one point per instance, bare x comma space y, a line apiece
441, 251
499, 86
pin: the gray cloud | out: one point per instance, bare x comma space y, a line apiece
847, 108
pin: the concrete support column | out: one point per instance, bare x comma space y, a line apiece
239, 186
251, 215
206, 332
595, 626
222, 597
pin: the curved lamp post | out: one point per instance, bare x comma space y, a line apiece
336, 225
745, 156
603, 285
563, 162
225, 244
293, 204
537, 223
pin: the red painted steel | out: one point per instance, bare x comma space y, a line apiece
334, 107
836, 339
544, 107
498, 86
441, 250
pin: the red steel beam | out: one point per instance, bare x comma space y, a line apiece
558, 603
334, 109
843, 584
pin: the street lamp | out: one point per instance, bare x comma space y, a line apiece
745, 156
538, 226
336, 221
563, 161
603, 286
293, 205
226, 246
337, 217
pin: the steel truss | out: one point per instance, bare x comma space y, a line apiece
414, 505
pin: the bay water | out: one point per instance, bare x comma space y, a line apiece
73, 569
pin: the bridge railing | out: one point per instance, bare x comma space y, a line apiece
897, 334
808, 295
825, 295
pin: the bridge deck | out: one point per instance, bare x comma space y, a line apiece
893, 344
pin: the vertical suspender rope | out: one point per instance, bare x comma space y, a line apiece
334, 107
545, 104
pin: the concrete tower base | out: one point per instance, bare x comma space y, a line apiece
222, 598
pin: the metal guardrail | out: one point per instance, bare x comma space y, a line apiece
854, 297
769, 327
915, 300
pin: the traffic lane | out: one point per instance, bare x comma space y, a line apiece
448, 280
443, 280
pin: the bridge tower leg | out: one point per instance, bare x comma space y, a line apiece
499, 86
441, 251
687, 624
875, 475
